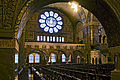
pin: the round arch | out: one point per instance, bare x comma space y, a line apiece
39, 52
58, 54
109, 20
42, 56
77, 54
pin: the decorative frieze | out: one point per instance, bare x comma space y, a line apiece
9, 44
44, 45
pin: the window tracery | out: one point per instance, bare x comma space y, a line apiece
50, 22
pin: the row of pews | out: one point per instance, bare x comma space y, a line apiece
72, 72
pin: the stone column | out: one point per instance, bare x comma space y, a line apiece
47, 60
87, 35
67, 58
91, 34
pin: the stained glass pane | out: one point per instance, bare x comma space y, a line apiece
43, 16
41, 21
51, 13
31, 58
63, 57
38, 38
58, 18
51, 30
60, 23
16, 58
37, 58
47, 38
46, 29
46, 14
53, 58
51, 22
53, 38
50, 38
41, 38
62, 39
57, 39
59, 27
55, 15
44, 37
42, 25
55, 30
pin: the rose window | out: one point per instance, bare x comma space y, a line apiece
50, 22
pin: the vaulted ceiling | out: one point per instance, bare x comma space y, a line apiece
15, 13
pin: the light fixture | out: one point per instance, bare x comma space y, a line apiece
74, 5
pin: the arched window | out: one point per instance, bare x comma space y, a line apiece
44, 38
49, 59
53, 38
53, 58
31, 58
63, 57
62, 39
57, 40
38, 38
41, 38
48, 38
37, 58
16, 58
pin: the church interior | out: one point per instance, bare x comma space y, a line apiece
59, 40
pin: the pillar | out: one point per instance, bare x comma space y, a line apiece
47, 63
67, 58
91, 35
7, 56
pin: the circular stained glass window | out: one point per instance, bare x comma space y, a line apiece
50, 22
